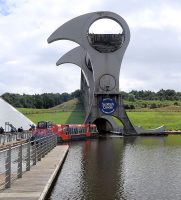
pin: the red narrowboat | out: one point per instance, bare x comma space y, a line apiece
66, 132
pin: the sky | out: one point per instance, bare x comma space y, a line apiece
28, 63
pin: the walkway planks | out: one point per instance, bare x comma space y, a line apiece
34, 184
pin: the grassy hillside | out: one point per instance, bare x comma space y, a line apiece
72, 105
69, 112
58, 117
72, 112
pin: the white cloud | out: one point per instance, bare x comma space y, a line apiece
164, 17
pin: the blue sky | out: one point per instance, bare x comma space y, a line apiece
4, 9
27, 62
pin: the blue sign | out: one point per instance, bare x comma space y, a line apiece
108, 106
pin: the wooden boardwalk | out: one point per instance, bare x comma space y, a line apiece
35, 184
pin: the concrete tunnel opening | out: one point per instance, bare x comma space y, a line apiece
103, 125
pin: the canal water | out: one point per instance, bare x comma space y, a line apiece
115, 168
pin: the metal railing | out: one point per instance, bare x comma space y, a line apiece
17, 136
16, 160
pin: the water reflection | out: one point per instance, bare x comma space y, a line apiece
140, 168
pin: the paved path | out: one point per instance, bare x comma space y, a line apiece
35, 184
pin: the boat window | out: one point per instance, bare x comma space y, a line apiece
67, 130
80, 131
49, 125
76, 130
41, 125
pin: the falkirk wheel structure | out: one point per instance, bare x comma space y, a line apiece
99, 56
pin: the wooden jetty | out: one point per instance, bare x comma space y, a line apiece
36, 183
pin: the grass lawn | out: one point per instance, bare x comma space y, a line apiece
58, 117
148, 120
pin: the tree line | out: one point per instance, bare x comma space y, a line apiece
48, 100
161, 95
